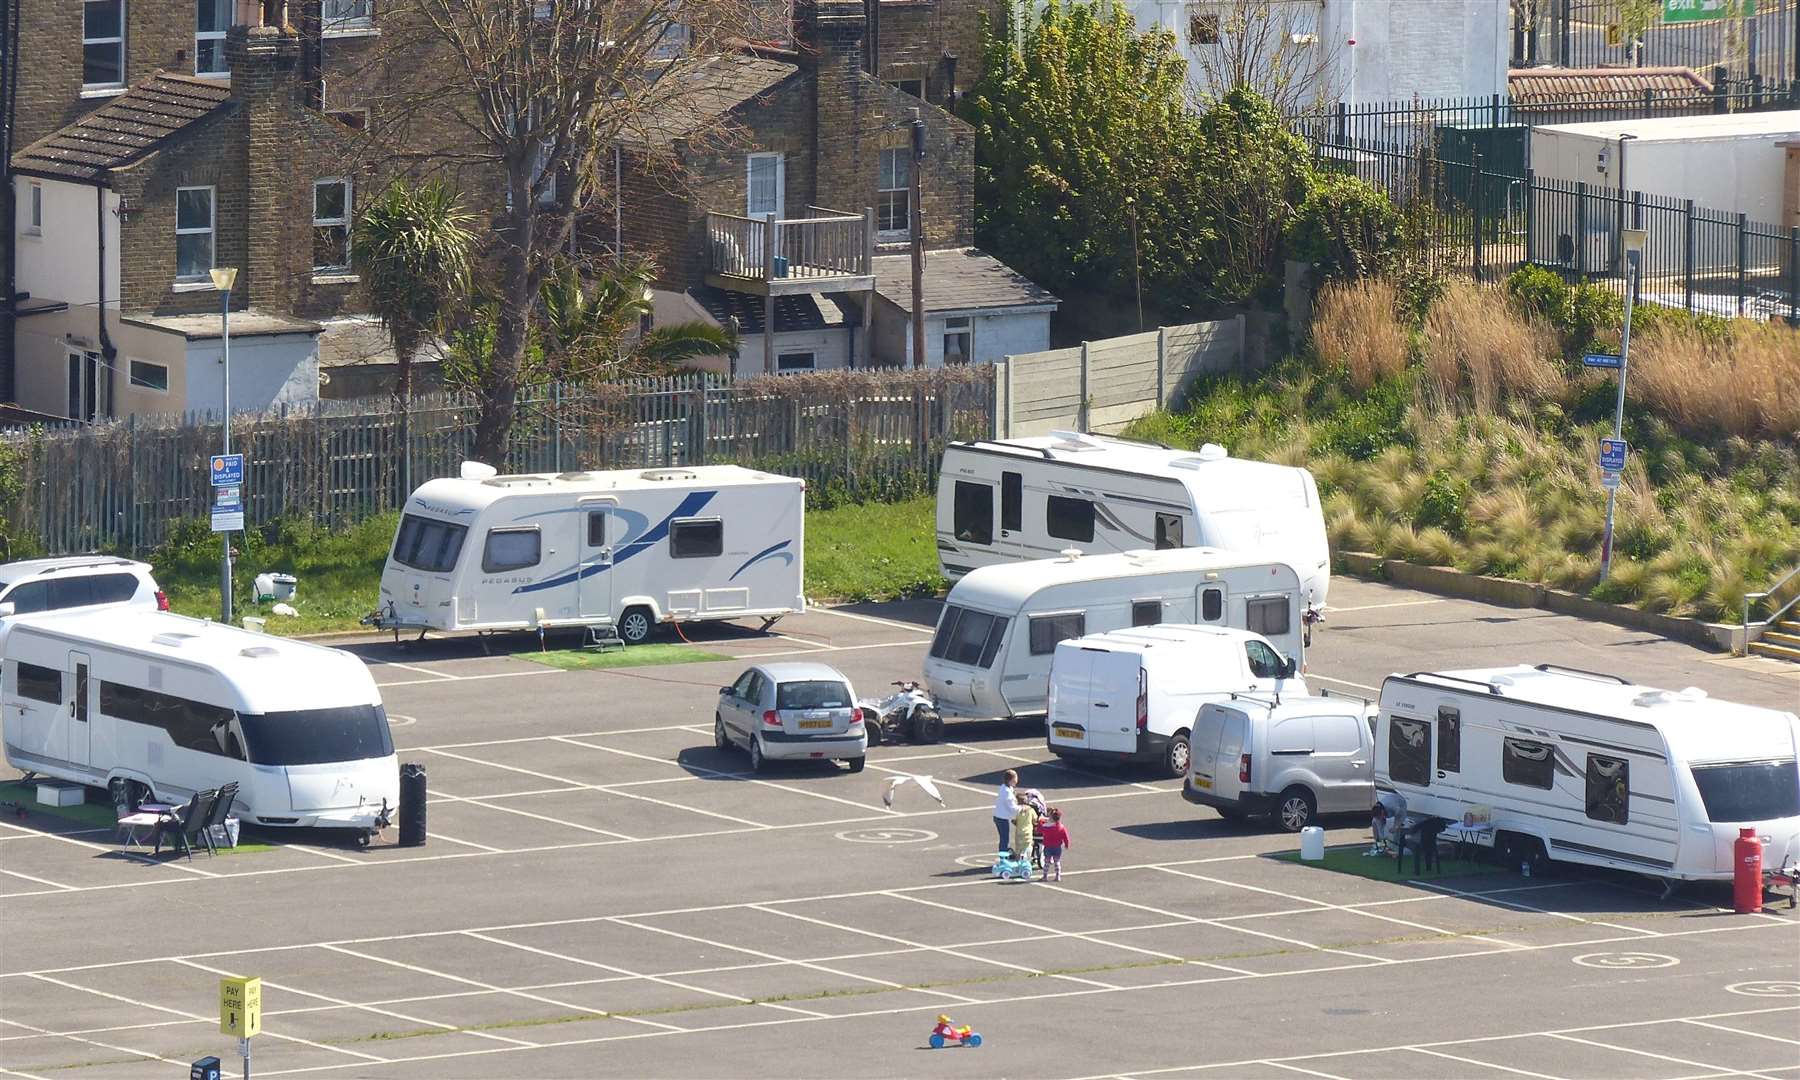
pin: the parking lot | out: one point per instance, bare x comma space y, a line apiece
604, 893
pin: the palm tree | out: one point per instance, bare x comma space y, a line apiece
413, 247
590, 322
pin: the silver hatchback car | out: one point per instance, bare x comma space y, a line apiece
790, 711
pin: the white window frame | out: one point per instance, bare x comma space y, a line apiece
962, 326
343, 222
86, 366
132, 364
224, 71
118, 41
34, 209
750, 161
211, 230
358, 20
904, 190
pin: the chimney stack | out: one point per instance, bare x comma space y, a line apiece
264, 60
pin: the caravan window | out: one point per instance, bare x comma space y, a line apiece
1449, 739
40, 683
1212, 605
1751, 791
596, 528
1528, 763
1268, 617
192, 725
973, 513
431, 546
696, 538
1069, 519
318, 736
1409, 751
968, 639
1146, 612
1608, 789
511, 549
1168, 531
1012, 501
1047, 630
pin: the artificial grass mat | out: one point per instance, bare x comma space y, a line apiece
629, 656
1349, 859
93, 815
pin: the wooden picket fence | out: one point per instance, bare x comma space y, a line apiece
851, 435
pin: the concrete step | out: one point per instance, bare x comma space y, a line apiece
1774, 651
1788, 626
1789, 639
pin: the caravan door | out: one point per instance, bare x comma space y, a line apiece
594, 583
82, 688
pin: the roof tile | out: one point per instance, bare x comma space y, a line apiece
129, 127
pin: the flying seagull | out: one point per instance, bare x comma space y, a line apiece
895, 783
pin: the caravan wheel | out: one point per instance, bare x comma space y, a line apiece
635, 625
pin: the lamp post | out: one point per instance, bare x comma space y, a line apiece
223, 278
1633, 241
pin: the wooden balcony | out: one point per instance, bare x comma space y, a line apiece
826, 251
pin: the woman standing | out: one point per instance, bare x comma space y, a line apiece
1006, 807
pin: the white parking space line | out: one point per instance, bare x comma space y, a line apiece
1063, 765
1301, 1071
624, 974
1377, 607
41, 881
25, 1075
1740, 1031
1091, 938
114, 1047
925, 632
415, 669
476, 801
515, 740
1715, 1069
435, 835
1483, 1064
725, 775
1260, 933
1516, 905
825, 649
1310, 677
471, 678
86, 845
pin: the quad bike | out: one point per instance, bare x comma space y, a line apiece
908, 713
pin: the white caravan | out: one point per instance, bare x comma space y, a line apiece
1032, 498
147, 703
628, 548
1001, 624
1591, 768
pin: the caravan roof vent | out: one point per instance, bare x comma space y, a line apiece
1209, 453
576, 477
518, 480
1652, 698
475, 470
667, 474
1074, 440
257, 651
1070, 554
172, 639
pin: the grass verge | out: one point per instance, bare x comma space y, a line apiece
1350, 859
873, 551
629, 656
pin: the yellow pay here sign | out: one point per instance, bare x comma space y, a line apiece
240, 1007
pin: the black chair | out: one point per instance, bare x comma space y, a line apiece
186, 826
221, 809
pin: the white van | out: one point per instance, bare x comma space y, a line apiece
1031, 498
1132, 695
1000, 624
627, 548
1292, 758
1590, 768
147, 703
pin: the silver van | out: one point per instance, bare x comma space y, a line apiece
1292, 758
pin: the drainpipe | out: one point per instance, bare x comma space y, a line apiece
9, 95
618, 203
107, 352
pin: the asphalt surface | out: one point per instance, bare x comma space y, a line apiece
605, 894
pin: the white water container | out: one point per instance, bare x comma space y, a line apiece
1312, 843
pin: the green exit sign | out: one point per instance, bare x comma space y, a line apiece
1680, 11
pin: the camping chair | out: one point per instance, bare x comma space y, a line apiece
221, 809
183, 828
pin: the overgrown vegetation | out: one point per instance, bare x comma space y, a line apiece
1471, 443
873, 551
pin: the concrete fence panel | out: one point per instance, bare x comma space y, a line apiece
1105, 385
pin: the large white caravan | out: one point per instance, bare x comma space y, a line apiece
149, 703
629, 548
1594, 769
1000, 625
1031, 498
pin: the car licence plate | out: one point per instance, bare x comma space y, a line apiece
1068, 732
1203, 782
808, 725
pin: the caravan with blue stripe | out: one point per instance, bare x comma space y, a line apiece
627, 549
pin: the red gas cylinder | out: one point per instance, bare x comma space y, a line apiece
1746, 875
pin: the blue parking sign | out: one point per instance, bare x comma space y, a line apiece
228, 470
1612, 455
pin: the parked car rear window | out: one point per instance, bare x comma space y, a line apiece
113, 588
1754, 791
317, 736
431, 546
812, 694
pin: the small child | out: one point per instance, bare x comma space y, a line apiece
1378, 820
1056, 838
1022, 826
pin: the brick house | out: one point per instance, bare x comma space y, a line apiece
773, 207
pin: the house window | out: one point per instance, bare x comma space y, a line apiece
1069, 519
34, 211
102, 43
511, 549
972, 513
958, 340
1449, 755
1168, 531
1528, 763
1203, 29
1268, 617
193, 233
763, 185
1409, 751
1608, 789
1146, 612
698, 538
893, 203
149, 376
1047, 630
331, 225
348, 14
211, 19
794, 361
915, 87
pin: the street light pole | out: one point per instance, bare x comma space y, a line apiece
1633, 240
223, 279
